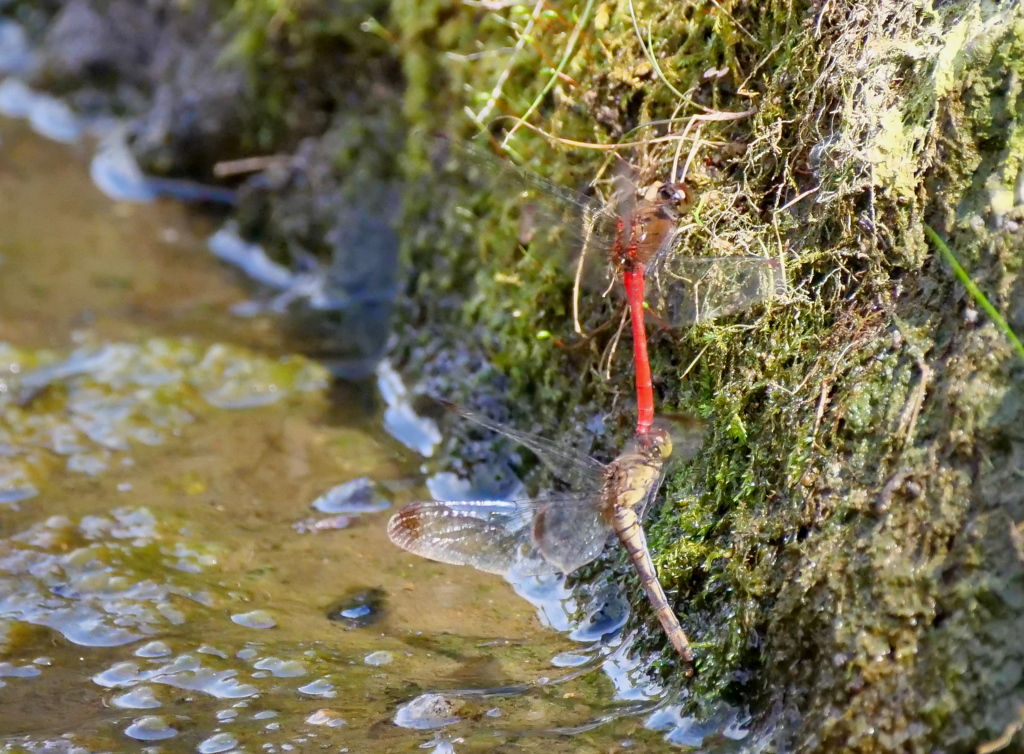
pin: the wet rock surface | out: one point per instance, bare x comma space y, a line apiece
360, 609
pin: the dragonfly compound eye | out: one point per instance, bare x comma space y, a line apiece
672, 192
659, 443
676, 195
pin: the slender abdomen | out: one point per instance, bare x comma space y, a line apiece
631, 534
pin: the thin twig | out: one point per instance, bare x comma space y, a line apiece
743, 86
227, 168
679, 146
706, 117
694, 362
649, 53
797, 198
1017, 536
614, 345
491, 5
588, 229
912, 408
1006, 738
738, 24
690, 156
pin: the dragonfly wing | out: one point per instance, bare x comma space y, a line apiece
577, 469
570, 535
542, 535
686, 290
489, 535
687, 433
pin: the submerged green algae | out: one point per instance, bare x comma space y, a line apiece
86, 412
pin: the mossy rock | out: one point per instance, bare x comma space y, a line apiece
841, 550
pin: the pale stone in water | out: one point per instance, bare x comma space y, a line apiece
140, 697
254, 619
379, 658
217, 743
327, 717
150, 728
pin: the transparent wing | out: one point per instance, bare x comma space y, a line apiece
491, 536
687, 433
579, 470
567, 540
498, 536
580, 232
686, 290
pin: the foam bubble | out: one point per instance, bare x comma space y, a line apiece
217, 743
14, 671
357, 496
185, 672
150, 728
569, 660
326, 717
153, 649
281, 668
140, 697
254, 619
321, 687
379, 658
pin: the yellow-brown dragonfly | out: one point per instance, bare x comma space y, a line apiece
560, 531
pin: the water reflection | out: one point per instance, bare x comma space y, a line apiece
48, 116
428, 711
361, 495
359, 609
400, 418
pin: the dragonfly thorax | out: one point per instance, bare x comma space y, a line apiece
632, 479
650, 227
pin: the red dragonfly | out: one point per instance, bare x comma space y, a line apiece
633, 243
560, 531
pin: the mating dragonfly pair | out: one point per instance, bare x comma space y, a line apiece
632, 242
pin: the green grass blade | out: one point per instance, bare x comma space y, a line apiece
974, 290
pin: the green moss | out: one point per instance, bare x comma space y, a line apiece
304, 58
839, 538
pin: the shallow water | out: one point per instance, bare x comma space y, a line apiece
165, 578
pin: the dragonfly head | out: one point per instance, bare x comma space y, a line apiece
657, 443
677, 197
